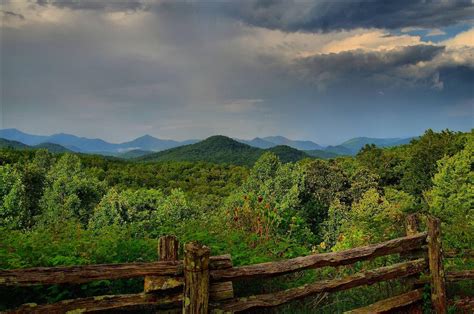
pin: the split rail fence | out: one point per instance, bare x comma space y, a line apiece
201, 283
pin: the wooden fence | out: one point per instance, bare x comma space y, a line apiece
202, 283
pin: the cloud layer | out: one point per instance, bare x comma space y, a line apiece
319, 70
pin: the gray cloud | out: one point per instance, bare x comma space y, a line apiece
384, 69
326, 16
10, 14
310, 16
181, 70
96, 5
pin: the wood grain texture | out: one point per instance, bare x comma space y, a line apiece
111, 302
350, 256
364, 278
168, 248
167, 251
82, 274
87, 273
196, 278
453, 276
412, 224
435, 257
459, 254
390, 304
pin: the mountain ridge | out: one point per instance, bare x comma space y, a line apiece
222, 149
150, 143
53, 148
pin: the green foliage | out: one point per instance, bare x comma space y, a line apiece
386, 164
269, 202
146, 211
73, 209
69, 193
326, 182
374, 218
452, 197
13, 197
423, 156
361, 181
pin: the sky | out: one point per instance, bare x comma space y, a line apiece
317, 70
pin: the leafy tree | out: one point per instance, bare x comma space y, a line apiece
269, 202
386, 163
372, 219
331, 227
423, 156
361, 181
112, 210
13, 199
146, 211
69, 192
324, 183
452, 197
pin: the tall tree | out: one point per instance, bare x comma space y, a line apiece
452, 197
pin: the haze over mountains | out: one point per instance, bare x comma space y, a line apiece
147, 144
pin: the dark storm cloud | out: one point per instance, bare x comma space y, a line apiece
359, 66
289, 15
308, 16
120, 5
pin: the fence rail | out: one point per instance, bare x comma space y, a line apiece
88, 273
346, 257
364, 278
202, 283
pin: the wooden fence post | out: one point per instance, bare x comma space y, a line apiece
411, 228
196, 279
411, 224
168, 248
167, 251
438, 285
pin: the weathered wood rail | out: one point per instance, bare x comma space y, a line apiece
202, 283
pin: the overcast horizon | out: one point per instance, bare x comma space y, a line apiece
321, 71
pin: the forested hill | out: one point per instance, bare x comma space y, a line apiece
222, 149
51, 147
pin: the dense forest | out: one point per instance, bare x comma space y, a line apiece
72, 209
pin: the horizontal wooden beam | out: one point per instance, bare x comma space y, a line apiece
101, 303
350, 256
391, 304
369, 277
452, 276
87, 273
218, 291
458, 254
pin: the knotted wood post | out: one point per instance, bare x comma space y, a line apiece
168, 248
167, 251
412, 224
196, 278
435, 256
411, 228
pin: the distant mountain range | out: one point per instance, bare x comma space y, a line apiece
148, 144
271, 141
88, 145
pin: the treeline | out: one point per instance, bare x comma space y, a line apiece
66, 209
